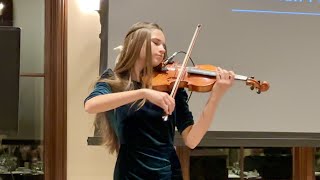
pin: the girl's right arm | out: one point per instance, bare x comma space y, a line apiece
110, 101
106, 102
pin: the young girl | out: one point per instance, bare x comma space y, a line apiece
132, 111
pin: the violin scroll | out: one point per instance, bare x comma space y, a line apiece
258, 85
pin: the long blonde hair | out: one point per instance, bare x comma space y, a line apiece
138, 34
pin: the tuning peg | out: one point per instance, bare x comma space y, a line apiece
258, 91
252, 77
252, 87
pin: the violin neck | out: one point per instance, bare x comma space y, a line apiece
193, 70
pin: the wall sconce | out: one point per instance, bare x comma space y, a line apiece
89, 5
1, 8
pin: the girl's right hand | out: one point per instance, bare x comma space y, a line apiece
161, 99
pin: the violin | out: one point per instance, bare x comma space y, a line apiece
199, 78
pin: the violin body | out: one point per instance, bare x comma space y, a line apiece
164, 81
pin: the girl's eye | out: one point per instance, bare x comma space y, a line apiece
156, 43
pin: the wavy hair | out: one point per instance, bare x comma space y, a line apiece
138, 34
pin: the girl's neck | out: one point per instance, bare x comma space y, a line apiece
136, 72
135, 75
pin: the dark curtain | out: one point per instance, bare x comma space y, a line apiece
104, 21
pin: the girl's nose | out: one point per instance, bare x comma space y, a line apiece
162, 49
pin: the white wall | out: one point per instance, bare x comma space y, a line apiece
84, 162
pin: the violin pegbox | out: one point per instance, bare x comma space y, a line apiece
258, 85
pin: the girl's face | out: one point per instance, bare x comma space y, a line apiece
157, 48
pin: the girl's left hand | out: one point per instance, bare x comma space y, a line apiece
224, 80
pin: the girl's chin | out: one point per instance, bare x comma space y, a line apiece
156, 63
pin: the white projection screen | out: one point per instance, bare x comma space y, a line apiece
273, 40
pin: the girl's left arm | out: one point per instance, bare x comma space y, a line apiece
193, 134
